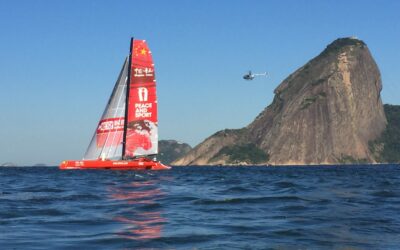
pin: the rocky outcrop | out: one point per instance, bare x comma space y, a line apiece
206, 153
326, 112
170, 150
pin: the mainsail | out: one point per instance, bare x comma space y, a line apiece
141, 136
107, 139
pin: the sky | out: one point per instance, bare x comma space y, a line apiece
59, 61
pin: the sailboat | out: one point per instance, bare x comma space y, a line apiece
126, 136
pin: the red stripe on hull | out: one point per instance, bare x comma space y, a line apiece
139, 164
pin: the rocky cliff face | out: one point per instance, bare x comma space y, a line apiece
326, 112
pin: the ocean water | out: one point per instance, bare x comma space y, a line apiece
354, 207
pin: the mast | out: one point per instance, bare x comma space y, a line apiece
127, 99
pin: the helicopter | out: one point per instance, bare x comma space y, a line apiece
250, 76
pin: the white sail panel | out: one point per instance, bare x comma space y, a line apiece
107, 139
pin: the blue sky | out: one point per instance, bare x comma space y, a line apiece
60, 59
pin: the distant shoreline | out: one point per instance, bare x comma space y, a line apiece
288, 165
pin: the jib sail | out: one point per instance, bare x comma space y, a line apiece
107, 140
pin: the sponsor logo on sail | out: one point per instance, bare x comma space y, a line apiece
110, 125
143, 94
143, 72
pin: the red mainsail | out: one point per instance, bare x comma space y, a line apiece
142, 122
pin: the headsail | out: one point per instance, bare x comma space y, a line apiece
107, 140
142, 123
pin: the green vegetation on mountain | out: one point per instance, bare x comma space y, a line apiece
387, 147
248, 153
227, 132
346, 159
170, 150
310, 100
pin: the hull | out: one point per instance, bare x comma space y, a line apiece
137, 164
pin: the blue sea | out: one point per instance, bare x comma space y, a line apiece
347, 207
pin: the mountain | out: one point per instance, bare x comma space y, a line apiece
170, 150
326, 112
387, 147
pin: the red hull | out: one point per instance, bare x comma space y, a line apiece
137, 164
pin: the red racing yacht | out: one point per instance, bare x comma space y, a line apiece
126, 136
